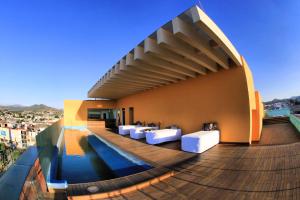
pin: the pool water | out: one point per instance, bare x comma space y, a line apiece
278, 112
99, 161
81, 169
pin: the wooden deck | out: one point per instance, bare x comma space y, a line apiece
228, 172
232, 172
155, 155
281, 133
270, 170
162, 159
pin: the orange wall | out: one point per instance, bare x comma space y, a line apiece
224, 97
257, 115
251, 95
75, 111
227, 97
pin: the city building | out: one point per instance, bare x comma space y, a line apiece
20, 138
296, 109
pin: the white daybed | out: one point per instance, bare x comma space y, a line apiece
163, 135
200, 141
125, 129
139, 132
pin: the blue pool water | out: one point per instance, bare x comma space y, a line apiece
278, 112
121, 163
101, 161
81, 169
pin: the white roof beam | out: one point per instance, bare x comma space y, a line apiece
140, 55
201, 20
148, 69
167, 40
152, 48
138, 72
188, 34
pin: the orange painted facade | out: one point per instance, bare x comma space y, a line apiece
227, 97
179, 76
224, 97
257, 116
76, 111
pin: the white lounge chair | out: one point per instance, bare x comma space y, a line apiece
163, 135
139, 132
125, 129
200, 141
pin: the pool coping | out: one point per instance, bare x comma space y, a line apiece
12, 188
185, 155
133, 158
123, 190
117, 186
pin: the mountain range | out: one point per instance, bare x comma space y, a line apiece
35, 107
295, 98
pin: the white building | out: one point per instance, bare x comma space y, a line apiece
19, 137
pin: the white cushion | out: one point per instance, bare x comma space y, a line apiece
200, 141
125, 129
163, 135
139, 132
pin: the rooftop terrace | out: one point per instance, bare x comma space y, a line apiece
268, 170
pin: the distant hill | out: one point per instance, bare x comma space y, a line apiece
35, 107
296, 98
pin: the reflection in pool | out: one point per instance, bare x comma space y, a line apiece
96, 159
83, 168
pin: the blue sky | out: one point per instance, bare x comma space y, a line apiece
52, 50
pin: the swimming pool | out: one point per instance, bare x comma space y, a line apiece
82, 168
278, 112
97, 160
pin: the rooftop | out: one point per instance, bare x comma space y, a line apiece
188, 46
268, 170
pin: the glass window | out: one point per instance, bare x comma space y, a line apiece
94, 114
101, 114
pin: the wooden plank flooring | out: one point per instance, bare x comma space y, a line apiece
227, 171
156, 155
233, 172
281, 133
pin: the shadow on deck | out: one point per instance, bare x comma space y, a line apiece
232, 171
227, 171
278, 130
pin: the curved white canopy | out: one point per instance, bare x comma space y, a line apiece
188, 46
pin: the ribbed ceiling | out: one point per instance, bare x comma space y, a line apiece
188, 46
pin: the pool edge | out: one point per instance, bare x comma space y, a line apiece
120, 191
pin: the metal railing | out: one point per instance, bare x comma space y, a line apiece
295, 121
